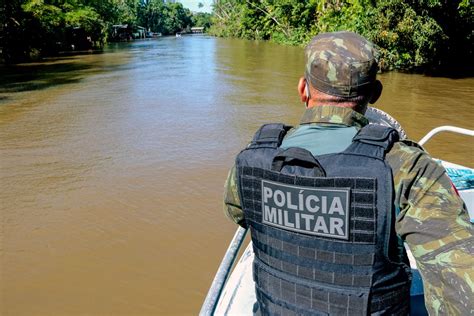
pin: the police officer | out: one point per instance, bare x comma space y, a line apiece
330, 202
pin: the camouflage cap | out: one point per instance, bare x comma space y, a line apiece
341, 63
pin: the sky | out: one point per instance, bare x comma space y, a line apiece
193, 5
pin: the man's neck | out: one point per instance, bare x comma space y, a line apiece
348, 105
333, 115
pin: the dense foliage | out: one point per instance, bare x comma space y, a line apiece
412, 34
202, 19
30, 28
165, 18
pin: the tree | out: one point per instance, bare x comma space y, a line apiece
412, 35
151, 15
176, 18
44, 27
202, 19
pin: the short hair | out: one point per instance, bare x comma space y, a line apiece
358, 101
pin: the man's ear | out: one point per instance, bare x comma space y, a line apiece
377, 91
302, 86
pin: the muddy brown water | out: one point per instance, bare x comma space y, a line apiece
113, 164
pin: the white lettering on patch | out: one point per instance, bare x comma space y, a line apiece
314, 211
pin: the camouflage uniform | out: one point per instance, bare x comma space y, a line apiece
431, 219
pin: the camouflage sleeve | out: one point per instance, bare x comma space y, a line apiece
434, 222
232, 208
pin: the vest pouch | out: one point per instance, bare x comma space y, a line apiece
280, 293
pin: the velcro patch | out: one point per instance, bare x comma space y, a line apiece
313, 211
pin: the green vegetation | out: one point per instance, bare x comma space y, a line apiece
35, 28
165, 18
428, 35
202, 19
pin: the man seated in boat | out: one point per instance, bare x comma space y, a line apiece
330, 202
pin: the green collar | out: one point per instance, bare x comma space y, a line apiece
334, 115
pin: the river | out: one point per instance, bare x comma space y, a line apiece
113, 165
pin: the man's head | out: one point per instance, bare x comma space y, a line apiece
341, 70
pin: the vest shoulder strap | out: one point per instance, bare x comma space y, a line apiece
269, 135
373, 140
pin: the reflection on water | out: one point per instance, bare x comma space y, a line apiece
112, 165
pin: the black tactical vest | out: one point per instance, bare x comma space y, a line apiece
323, 227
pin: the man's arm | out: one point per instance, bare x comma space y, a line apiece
434, 223
232, 206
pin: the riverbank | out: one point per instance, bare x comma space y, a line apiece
30, 29
37, 58
430, 37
